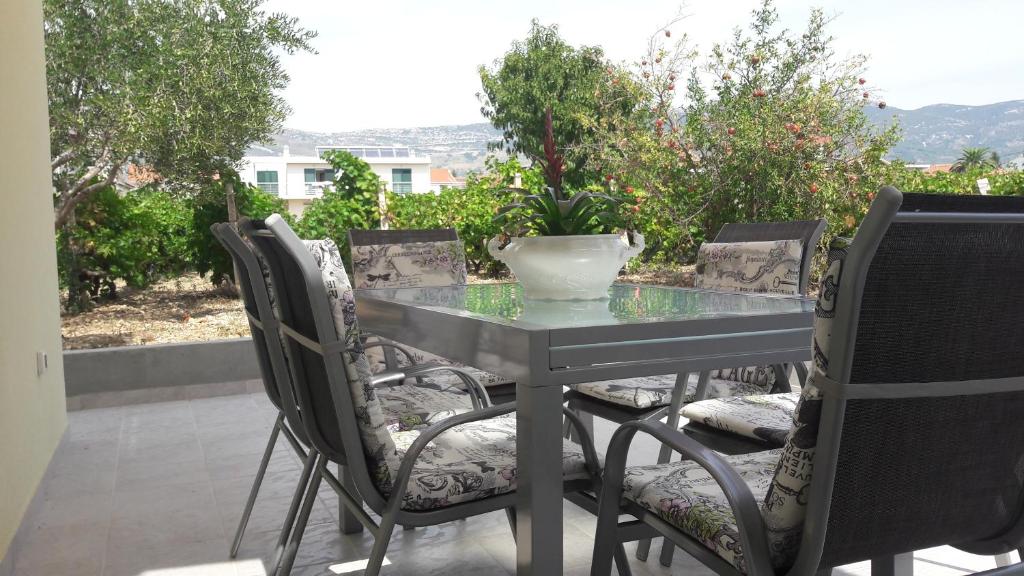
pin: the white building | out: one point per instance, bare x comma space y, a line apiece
299, 179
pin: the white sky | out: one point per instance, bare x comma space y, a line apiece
406, 63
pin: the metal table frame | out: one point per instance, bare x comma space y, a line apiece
541, 359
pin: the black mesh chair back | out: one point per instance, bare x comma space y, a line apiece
262, 325
807, 231
259, 337
926, 426
295, 305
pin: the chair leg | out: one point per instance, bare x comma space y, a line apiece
293, 509
588, 427
260, 473
622, 561
668, 549
510, 512
643, 547
1004, 560
349, 523
897, 565
606, 540
380, 544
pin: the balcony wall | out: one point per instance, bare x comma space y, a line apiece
32, 416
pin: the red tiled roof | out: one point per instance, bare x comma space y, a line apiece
442, 176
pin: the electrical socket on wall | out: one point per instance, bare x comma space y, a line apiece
42, 363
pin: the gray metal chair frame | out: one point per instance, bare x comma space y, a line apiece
323, 395
500, 393
834, 531
277, 380
809, 232
273, 371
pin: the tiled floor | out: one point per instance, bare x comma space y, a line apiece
157, 490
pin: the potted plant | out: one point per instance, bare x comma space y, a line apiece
560, 245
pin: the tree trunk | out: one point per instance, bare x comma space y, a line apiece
229, 197
228, 285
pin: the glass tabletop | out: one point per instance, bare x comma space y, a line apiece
626, 304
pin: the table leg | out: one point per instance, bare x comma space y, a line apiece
898, 565
539, 493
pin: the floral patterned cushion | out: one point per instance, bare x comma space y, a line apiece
685, 495
409, 265
785, 505
376, 357
766, 267
382, 457
761, 376
471, 462
414, 406
654, 391
767, 417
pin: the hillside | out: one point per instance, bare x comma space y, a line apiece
931, 135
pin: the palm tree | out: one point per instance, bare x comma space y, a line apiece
975, 158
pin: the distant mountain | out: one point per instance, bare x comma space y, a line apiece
931, 135
460, 148
938, 133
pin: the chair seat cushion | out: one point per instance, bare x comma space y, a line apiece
376, 357
655, 391
767, 417
413, 406
471, 462
685, 495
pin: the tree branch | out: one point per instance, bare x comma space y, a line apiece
62, 159
82, 190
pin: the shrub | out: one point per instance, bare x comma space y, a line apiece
134, 237
779, 133
206, 254
351, 202
469, 210
1002, 183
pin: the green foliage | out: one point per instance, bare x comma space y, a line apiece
780, 133
351, 202
206, 255
469, 210
180, 86
976, 159
1003, 183
554, 212
135, 238
544, 71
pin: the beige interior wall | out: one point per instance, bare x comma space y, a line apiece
32, 415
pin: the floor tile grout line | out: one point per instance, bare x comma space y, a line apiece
209, 483
113, 492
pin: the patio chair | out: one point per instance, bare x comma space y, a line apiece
753, 423
415, 258
794, 244
644, 398
460, 467
404, 406
907, 434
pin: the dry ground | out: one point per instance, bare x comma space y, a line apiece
190, 308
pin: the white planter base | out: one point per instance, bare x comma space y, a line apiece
567, 267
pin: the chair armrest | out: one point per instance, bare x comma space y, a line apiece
388, 344
477, 392
593, 462
387, 377
744, 506
781, 380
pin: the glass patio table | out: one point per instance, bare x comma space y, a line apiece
638, 330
